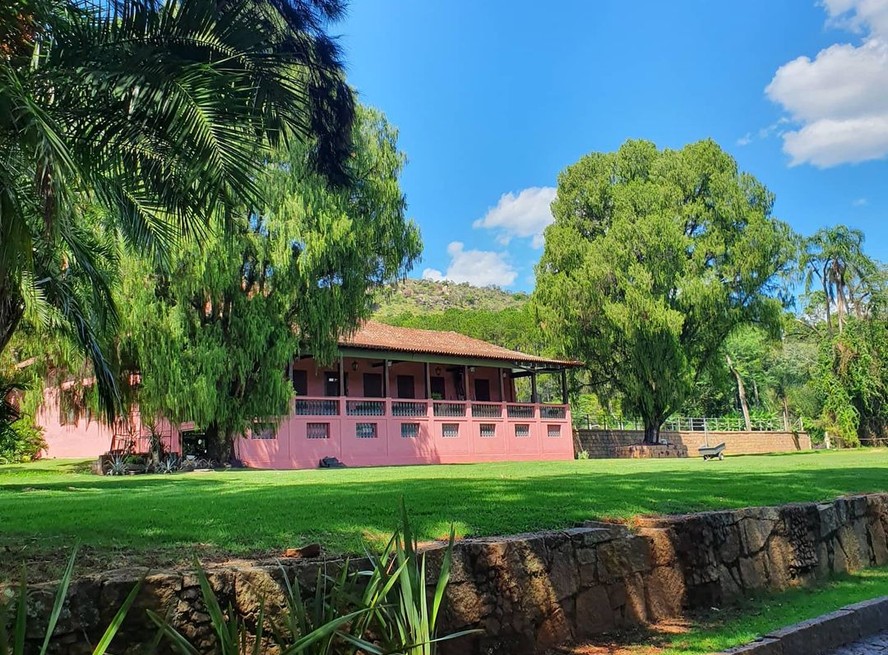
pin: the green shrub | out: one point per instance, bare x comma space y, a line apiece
21, 440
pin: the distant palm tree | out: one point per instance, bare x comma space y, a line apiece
834, 256
142, 118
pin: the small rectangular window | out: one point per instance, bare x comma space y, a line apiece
317, 431
263, 431
553, 430
406, 387
366, 430
450, 430
522, 430
373, 385
300, 382
409, 430
488, 430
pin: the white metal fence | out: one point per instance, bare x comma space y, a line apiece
690, 424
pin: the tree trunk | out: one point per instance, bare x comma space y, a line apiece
840, 308
785, 414
12, 308
219, 444
741, 392
651, 431
826, 299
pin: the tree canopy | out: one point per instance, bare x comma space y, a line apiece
213, 335
655, 257
158, 115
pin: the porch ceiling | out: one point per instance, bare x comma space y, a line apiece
403, 356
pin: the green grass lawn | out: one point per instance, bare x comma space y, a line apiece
47, 506
739, 624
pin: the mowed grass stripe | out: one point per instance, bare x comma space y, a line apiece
48, 505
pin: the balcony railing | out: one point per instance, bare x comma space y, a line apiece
487, 410
404, 408
520, 411
316, 407
553, 411
365, 408
449, 409
410, 408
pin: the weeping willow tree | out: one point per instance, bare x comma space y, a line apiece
212, 334
654, 258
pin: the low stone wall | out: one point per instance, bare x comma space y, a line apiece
531, 592
650, 451
612, 443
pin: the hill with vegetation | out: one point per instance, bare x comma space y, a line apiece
487, 313
423, 296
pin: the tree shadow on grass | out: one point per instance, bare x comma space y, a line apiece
236, 515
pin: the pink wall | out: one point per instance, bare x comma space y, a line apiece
291, 446
90, 438
506, 439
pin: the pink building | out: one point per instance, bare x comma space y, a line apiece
395, 396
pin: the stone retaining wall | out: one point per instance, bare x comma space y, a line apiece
530, 592
612, 443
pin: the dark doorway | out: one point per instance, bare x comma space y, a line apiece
194, 442
331, 383
300, 382
437, 387
373, 385
482, 390
406, 388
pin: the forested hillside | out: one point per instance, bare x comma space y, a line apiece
412, 296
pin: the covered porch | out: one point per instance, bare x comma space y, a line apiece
387, 402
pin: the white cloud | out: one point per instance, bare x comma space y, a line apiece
837, 100
479, 267
859, 202
524, 215
764, 133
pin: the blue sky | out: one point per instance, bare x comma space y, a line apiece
493, 99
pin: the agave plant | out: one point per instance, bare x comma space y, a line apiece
14, 644
168, 465
116, 465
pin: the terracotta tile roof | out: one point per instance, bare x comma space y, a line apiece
378, 336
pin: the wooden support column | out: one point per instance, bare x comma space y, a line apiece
534, 397
501, 372
466, 382
564, 386
428, 381
341, 377
385, 378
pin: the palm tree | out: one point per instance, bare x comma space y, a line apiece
156, 114
835, 257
